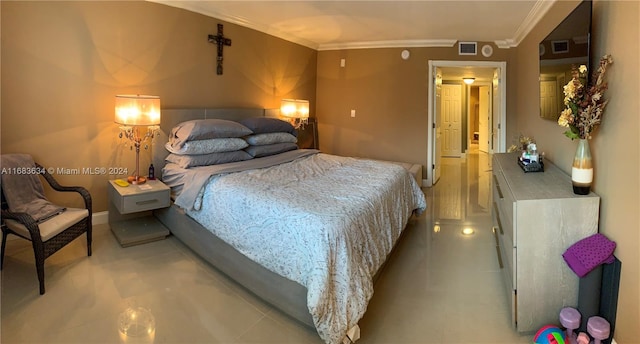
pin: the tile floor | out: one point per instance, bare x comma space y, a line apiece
439, 286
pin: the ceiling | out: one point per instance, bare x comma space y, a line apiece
331, 25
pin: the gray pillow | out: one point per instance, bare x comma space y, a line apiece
202, 129
270, 138
186, 161
208, 146
272, 149
261, 125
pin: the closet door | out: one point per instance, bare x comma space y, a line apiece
451, 120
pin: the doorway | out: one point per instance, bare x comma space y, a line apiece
479, 102
496, 123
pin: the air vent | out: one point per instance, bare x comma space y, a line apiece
468, 48
560, 47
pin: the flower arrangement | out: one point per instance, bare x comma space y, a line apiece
522, 143
584, 105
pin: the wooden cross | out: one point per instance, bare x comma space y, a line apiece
221, 41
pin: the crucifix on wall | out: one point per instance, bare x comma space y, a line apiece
221, 41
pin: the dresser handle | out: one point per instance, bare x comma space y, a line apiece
495, 209
495, 234
150, 201
498, 186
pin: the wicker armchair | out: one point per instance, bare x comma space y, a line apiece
49, 236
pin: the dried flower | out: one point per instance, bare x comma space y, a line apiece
584, 106
522, 143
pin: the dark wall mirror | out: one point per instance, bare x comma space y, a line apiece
566, 46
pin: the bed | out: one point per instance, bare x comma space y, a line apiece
305, 231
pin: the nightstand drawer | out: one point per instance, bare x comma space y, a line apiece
147, 201
139, 198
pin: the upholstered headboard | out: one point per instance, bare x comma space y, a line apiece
171, 117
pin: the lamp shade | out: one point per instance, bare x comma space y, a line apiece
294, 108
137, 110
468, 81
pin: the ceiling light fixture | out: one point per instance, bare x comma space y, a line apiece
468, 81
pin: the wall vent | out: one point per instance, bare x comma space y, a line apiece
468, 48
560, 47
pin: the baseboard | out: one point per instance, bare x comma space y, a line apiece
100, 218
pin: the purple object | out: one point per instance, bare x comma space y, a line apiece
598, 328
588, 253
570, 319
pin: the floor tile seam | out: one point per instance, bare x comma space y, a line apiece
249, 328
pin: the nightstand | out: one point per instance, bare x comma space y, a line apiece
130, 212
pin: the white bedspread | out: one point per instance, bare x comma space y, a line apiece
324, 221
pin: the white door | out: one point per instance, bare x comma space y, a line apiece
496, 114
484, 118
451, 119
548, 99
437, 142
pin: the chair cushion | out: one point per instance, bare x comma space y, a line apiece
53, 226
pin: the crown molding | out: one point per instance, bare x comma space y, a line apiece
537, 12
505, 43
581, 39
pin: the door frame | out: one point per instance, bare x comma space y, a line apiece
502, 121
476, 84
489, 110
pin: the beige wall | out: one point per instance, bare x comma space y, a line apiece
615, 146
63, 63
389, 95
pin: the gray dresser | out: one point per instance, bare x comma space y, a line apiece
536, 218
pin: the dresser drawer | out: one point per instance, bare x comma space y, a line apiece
509, 258
505, 203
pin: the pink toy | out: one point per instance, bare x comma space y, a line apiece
583, 338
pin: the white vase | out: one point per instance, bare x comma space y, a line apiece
582, 169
